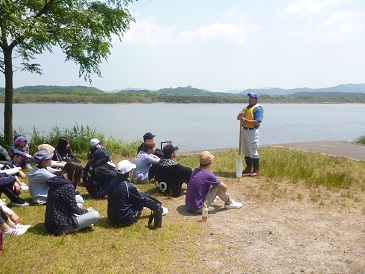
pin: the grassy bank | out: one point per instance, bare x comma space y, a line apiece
175, 248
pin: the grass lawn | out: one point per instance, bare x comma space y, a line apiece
175, 247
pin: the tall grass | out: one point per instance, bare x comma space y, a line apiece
360, 140
80, 137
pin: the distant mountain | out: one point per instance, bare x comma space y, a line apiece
39, 89
345, 88
327, 94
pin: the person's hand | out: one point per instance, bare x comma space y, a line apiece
28, 156
14, 218
139, 213
240, 115
16, 186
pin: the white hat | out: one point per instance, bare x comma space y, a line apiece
125, 166
94, 142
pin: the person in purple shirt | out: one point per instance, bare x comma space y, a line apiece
204, 186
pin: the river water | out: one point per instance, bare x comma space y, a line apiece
197, 126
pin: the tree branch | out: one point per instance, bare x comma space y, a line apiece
46, 8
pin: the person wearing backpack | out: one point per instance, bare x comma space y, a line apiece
125, 202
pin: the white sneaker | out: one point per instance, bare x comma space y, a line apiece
24, 186
19, 226
233, 205
14, 232
165, 210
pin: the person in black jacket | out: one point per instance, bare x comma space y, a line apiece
98, 174
63, 215
63, 152
125, 203
170, 175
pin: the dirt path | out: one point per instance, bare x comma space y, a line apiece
289, 229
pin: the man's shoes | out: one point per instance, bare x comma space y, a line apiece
24, 186
255, 172
14, 232
19, 203
246, 171
233, 205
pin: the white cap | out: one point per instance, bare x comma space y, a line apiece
94, 142
125, 166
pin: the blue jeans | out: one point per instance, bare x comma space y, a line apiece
88, 219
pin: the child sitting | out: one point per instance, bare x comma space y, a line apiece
19, 152
10, 225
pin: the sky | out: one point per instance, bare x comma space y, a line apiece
226, 45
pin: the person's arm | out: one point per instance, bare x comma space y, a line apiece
70, 200
135, 198
106, 172
223, 186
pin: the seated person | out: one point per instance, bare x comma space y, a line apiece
143, 161
63, 215
95, 144
157, 152
19, 152
10, 169
63, 152
204, 186
10, 185
125, 203
170, 175
38, 176
46, 147
98, 174
4, 156
10, 225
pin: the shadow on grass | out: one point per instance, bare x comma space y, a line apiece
40, 229
225, 174
183, 211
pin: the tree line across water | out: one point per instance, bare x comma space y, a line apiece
96, 97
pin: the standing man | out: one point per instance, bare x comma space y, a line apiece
251, 118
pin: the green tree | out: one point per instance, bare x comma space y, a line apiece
82, 29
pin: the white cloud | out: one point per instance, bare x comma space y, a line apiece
150, 33
342, 24
312, 5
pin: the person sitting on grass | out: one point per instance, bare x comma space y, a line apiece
95, 144
144, 161
38, 176
170, 175
10, 225
125, 202
63, 152
63, 215
19, 152
204, 186
98, 174
10, 185
4, 156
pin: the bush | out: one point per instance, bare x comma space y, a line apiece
360, 140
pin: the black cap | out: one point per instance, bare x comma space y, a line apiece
168, 150
148, 136
101, 153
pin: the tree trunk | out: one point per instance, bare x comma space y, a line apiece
8, 105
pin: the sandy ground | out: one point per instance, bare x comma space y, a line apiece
283, 228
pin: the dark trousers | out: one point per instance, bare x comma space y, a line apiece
7, 189
149, 201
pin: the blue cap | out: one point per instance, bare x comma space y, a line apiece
253, 94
